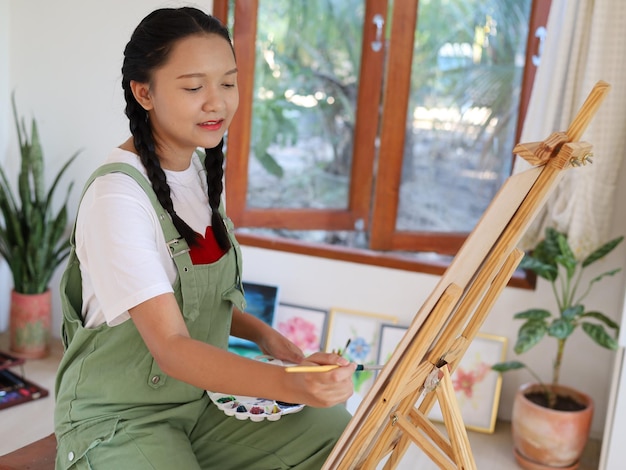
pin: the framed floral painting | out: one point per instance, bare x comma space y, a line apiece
477, 387
304, 326
356, 335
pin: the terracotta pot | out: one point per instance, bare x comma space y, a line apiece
546, 438
30, 324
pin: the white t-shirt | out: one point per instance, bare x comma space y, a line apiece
124, 259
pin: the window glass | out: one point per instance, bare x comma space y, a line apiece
305, 88
468, 61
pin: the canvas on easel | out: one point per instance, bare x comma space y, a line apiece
394, 413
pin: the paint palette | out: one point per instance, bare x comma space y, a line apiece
254, 408
15, 389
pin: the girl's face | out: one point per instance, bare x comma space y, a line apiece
191, 99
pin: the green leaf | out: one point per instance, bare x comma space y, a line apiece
548, 249
12, 216
540, 268
529, 335
566, 257
532, 314
604, 319
507, 366
599, 335
55, 183
36, 164
564, 248
569, 263
561, 328
5, 192
602, 251
608, 273
573, 312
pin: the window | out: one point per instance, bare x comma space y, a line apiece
371, 130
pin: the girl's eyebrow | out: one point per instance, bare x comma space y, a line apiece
198, 74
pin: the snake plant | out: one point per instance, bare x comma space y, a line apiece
34, 239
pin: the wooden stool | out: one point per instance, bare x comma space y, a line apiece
39, 455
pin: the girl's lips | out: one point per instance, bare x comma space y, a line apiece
211, 125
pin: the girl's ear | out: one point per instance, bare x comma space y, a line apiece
141, 92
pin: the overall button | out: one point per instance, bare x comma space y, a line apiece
70, 456
156, 379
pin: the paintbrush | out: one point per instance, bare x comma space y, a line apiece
326, 368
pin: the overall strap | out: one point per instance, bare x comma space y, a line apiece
178, 247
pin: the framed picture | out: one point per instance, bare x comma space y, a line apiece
304, 326
363, 331
262, 302
476, 386
390, 336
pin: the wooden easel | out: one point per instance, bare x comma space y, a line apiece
394, 413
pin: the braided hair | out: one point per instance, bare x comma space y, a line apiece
148, 48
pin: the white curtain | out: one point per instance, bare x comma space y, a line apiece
585, 43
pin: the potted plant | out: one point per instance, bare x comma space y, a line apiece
541, 408
33, 241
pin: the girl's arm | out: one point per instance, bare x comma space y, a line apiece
270, 341
163, 329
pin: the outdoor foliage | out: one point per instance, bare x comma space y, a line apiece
553, 260
300, 57
33, 236
294, 77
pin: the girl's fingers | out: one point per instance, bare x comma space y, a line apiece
323, 358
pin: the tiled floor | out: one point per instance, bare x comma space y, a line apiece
28, 422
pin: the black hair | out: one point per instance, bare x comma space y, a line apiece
148, 49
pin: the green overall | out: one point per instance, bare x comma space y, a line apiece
115, 409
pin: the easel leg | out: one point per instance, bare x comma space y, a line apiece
454, 423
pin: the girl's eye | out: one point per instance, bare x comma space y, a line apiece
228, 85
193, 89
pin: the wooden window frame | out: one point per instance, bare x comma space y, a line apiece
386, 243
239, 136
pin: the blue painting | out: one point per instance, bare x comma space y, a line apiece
261, 301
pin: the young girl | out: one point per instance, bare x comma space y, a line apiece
153, 287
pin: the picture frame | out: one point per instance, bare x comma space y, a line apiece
304, 326
477, 387
390, 337
363, 331
262, 302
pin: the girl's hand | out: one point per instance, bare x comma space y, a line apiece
324, 389
269, 340
276, 345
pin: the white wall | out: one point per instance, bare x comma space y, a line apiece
64, 62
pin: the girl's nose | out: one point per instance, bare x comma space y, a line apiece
213, 100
